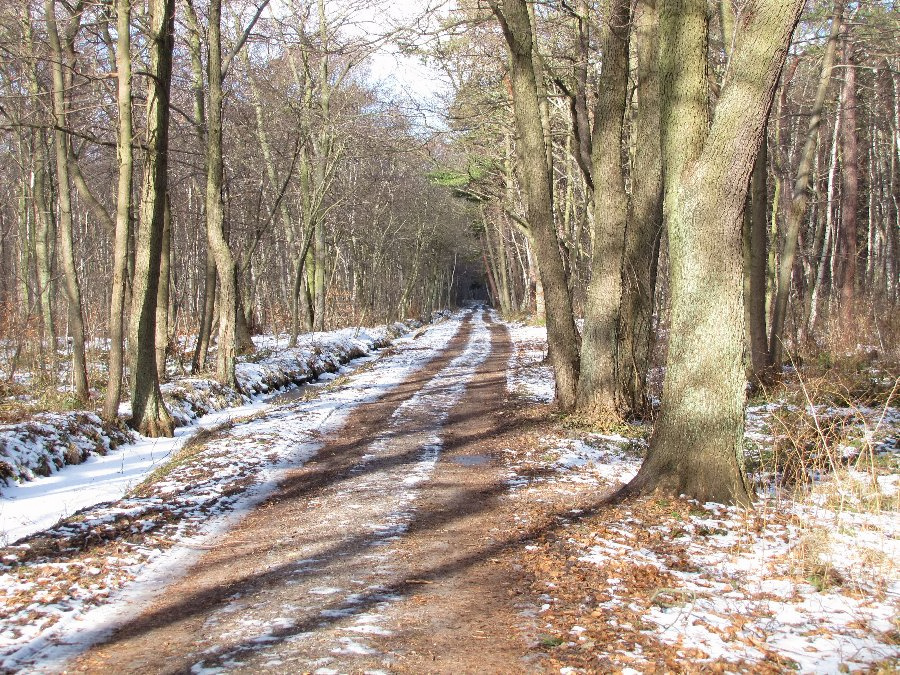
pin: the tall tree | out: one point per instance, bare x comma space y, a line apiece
644, 229
846, 251
44, 230
696, 447
800, 194
59, 82
149, 414
617, 335
215, 208
229, 302
598, 384
562, 336
198, 96
125, 158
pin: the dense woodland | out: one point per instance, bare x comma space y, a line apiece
713, 186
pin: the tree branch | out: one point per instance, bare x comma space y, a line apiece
226, 64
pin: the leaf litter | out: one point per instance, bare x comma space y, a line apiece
807, 583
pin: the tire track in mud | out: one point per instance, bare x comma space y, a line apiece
306, 582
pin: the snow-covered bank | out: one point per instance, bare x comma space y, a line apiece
57, 464
49, 583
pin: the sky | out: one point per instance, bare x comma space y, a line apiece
406, 75
413, 83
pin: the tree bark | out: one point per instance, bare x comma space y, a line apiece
598, 383
64, 195
845, 270
215, 226
44, 233
208, 317
644, 229
163, 293
506, 299
756, 264
562, 335
697, 444
43, 243
125, 158
149, 414
320, 254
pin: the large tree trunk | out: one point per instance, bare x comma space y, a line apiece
644, 229
149, 414
845, 269
562, 335
597, 386
43, 244
163, 293
215, 225
696, 447
64, 195
123, 210
800, 195
208, 318
757, 221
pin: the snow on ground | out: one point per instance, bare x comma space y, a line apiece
530, 376
784, 583
808, 583
67, 462
46, 613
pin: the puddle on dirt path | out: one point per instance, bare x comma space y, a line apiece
471, 460
298, 393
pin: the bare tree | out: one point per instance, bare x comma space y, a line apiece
59, 85
125, 158
562, 335
149, 414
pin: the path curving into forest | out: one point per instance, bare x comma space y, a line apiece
379, 554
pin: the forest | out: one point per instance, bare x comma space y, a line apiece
676, 223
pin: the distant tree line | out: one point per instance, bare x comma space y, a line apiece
194, 167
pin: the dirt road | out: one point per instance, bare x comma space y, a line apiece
381, 554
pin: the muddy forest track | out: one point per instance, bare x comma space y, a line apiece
378, 555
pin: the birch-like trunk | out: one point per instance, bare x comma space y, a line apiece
125, 158
71, 282
800, 195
